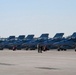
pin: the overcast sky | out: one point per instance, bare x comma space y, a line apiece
23, 17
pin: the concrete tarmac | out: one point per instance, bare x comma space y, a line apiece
22, 62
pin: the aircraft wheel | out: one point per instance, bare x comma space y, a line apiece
1, 49
64, 49
26, 48
58, 49
14, 49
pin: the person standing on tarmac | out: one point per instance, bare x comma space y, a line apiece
39, 48
14, 48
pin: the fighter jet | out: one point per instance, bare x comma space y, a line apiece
1, 44
32, 45
18, 42
21, 40
68, 43
26, 41
48, 44
5, 44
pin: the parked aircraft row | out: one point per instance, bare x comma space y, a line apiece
43, 42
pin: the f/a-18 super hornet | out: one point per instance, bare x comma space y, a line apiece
48, 44
32, 45
68, 43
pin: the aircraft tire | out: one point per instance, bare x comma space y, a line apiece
26, 48
58, 49
14, 49
64, 49
1, 49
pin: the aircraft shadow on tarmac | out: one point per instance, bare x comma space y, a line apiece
7, 64
48, 68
